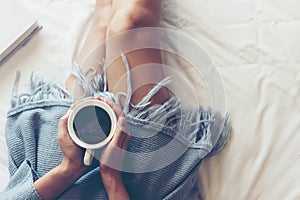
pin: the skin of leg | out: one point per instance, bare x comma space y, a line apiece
94, 43
97, 34
129, 15
122, 16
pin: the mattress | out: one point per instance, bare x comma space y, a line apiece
255, 47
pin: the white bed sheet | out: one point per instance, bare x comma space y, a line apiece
256, 48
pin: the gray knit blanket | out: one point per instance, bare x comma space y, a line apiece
162, 161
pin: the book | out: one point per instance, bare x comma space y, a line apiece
17, 26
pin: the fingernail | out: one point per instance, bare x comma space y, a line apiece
98, 98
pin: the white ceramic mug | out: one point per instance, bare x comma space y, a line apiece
91, 125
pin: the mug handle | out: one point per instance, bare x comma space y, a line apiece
88, 157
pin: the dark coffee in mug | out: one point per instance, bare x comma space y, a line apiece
92, 124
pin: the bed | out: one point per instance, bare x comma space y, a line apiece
255, 47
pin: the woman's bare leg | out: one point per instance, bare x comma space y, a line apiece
127, 15
113, 17
95, 40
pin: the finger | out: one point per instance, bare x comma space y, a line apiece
63, 126
121, 137
114, 106
125, 133
63, 121
126, 140
118, 138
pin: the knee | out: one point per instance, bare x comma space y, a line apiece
132, 17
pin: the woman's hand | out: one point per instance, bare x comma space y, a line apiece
113, 155
72, 153
57, 180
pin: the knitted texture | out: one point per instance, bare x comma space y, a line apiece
184, 137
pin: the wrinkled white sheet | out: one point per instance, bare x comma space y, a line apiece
256, 48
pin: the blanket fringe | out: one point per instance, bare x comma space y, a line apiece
202, 128
39, 91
